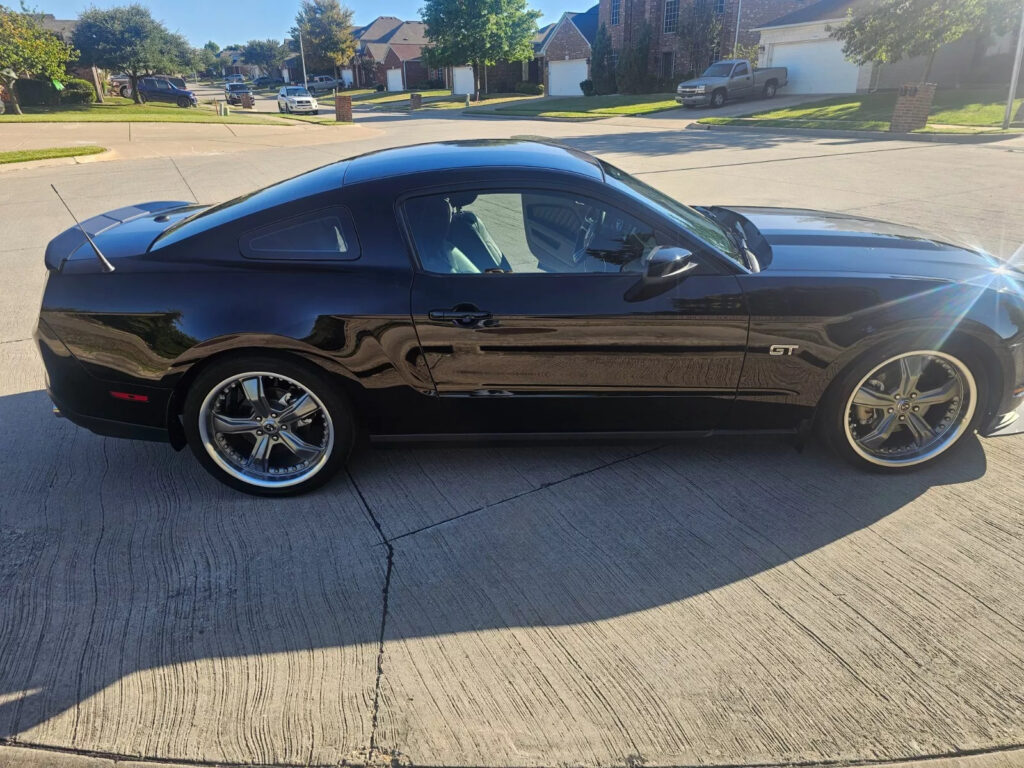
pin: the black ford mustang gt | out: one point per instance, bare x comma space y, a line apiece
517, 289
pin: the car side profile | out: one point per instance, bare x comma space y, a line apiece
517, 290
162, 89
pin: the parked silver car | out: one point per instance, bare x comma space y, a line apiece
730, 79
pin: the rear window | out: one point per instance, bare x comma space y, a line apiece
326, 235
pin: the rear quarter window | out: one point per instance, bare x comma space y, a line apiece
324, 235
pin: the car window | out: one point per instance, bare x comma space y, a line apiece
321, 236
525, 232
741, 69
296, 92
718, 70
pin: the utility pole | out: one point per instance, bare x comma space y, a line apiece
1015, 77
736, 38
302, 55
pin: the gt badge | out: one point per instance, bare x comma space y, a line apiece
782, 349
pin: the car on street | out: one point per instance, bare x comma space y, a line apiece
731, 79
163, 89
267, 81
234, 79
295, 98
233, 92
518, 290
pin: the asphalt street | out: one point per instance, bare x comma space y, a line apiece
726, 602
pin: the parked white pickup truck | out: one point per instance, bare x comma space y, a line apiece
730, 79
322, 84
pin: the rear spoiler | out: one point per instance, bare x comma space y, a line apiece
70, 240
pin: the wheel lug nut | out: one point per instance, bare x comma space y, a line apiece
890, 410
913, 395
276, 437
917, 407
903, 418
259, 431
259, 418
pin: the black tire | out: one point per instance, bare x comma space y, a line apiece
316, 111
287, 109
126, 92
717, 99
834, 423
333, 453
279, 108
770, 89
184, 103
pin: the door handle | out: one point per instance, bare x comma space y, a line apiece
461, 316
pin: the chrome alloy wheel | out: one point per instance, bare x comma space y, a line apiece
910, 408
266, 429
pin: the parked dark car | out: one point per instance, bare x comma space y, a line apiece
266, 81
162, 89
515, 289
233, 92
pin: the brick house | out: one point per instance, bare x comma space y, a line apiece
390, 45
670, 52
564, 54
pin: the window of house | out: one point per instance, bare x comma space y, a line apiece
667, 63
525, 232
616, 11
327, 235
719, 6
671, 16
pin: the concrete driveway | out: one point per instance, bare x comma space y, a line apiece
713, 603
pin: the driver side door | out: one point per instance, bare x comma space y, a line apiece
530, 312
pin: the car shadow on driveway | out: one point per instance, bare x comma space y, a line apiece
118, 557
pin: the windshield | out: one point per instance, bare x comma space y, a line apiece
718, 70
708, 230
237, 87
296, 92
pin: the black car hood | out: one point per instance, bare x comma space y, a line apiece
820, 242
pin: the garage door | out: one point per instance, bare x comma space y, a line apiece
564, 77
462, 80
816, 67
346, 77
395, 80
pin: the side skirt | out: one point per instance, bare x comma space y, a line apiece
526, 437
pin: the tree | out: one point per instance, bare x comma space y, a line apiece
212, 47
633, 72
701, 28
268, 54
891, 30
123, 39
26, 49
602, 70
478, 32
326, 29
204, 60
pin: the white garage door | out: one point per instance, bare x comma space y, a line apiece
395, 80
462, 80
816, 67
346, 77
564, 77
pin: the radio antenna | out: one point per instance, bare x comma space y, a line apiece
104, 262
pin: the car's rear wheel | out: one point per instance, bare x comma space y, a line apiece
718, 98
268, 426
901, 408
125, 91
770, 89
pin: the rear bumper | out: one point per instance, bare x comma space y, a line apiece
109, 427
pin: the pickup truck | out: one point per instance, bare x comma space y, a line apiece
322, 84
730, 79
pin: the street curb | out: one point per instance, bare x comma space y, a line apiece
536, 117
941, 138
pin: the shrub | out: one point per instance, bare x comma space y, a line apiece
380, 87
35, 93
78, 91
431, 85
530, 89
587, 86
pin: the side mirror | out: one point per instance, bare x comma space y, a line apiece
668, 262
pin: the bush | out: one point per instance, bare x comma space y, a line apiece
379, 88
35, 93
530, 89
431, 85
587, 86
78, 91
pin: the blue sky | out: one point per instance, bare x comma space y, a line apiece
227, 22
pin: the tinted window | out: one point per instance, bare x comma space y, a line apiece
322, 236
525, 231
718, 70
741, 69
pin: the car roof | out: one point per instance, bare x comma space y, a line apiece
478, 153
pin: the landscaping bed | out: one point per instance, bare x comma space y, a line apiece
119, 110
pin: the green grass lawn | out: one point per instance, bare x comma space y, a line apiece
374, 98
24, 155
973, 108
118, 110
447, 101
594, 106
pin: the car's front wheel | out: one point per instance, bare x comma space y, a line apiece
184, 103
901, 408
717, 99
268, 426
